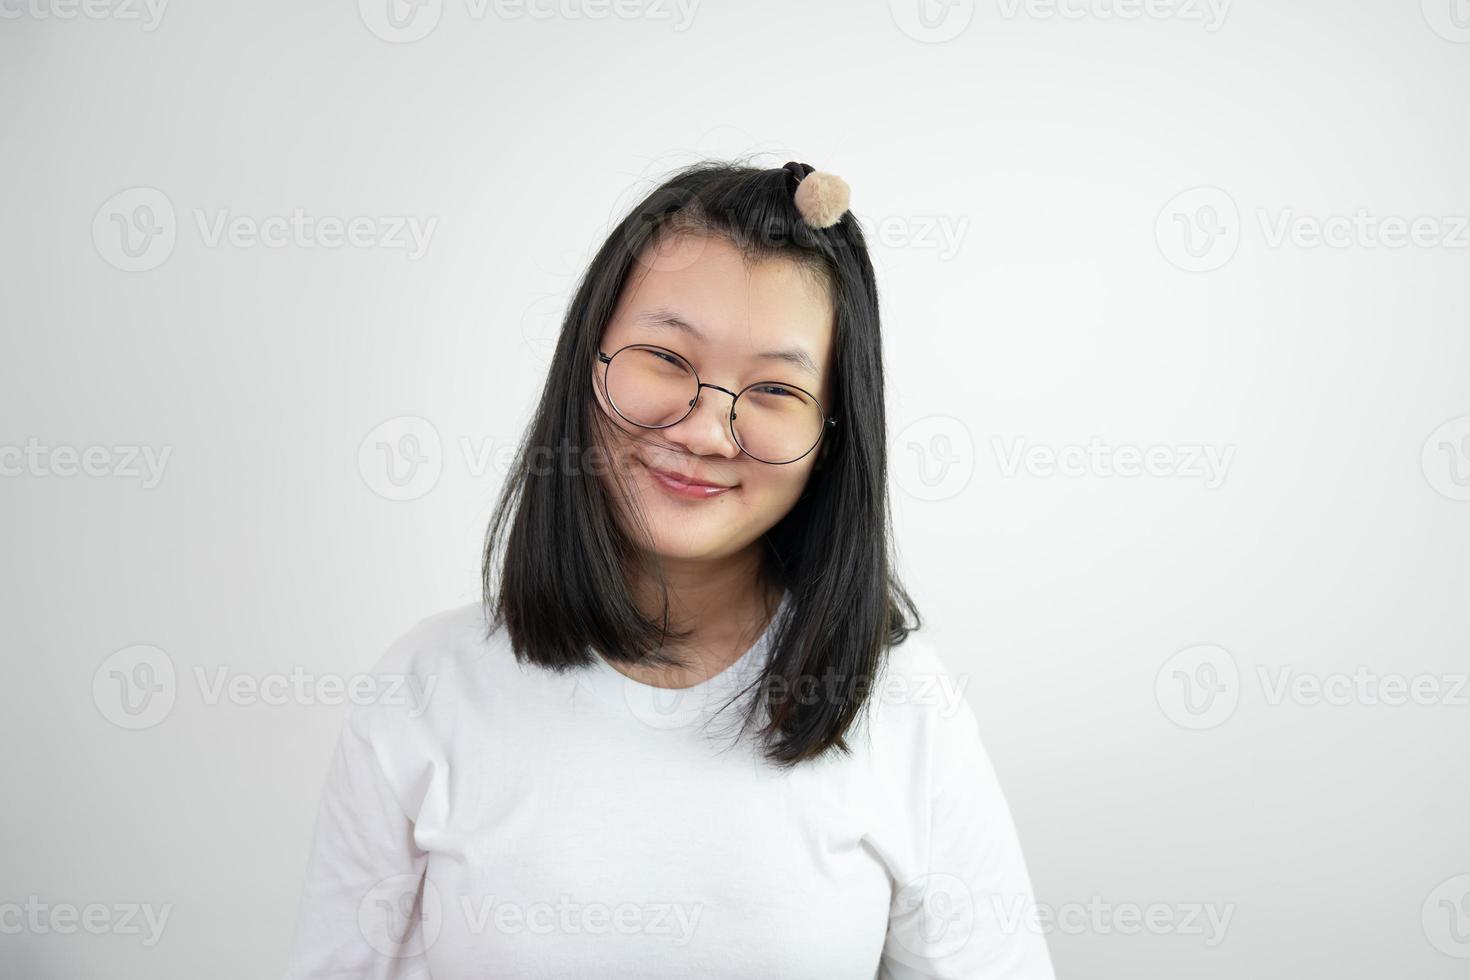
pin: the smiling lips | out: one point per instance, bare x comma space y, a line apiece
687, 487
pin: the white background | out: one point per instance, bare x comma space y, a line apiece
1075, 215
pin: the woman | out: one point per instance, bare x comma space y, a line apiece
688, 733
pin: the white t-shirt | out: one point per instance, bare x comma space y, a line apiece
483, 818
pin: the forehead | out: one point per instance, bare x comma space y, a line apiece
732, 305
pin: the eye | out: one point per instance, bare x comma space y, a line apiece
664, 359
774, 389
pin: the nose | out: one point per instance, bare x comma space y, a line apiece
705, 431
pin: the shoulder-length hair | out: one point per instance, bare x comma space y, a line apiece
563, 559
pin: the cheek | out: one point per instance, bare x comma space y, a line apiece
613, 434
776, 488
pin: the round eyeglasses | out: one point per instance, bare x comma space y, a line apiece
653, 388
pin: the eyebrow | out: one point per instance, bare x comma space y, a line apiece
794, 356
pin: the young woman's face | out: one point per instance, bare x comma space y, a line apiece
735, 325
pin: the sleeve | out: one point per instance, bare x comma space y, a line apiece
364, 904
967, 912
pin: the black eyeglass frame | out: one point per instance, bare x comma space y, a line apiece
828, 422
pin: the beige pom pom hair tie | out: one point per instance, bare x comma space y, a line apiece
821, 198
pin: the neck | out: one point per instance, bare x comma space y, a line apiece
723, 605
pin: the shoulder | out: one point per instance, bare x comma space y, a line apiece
430, 668
438, 641
919, 705
918, 682
915, 656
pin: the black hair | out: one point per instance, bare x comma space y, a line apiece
563, 559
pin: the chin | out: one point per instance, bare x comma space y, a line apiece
692, 547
